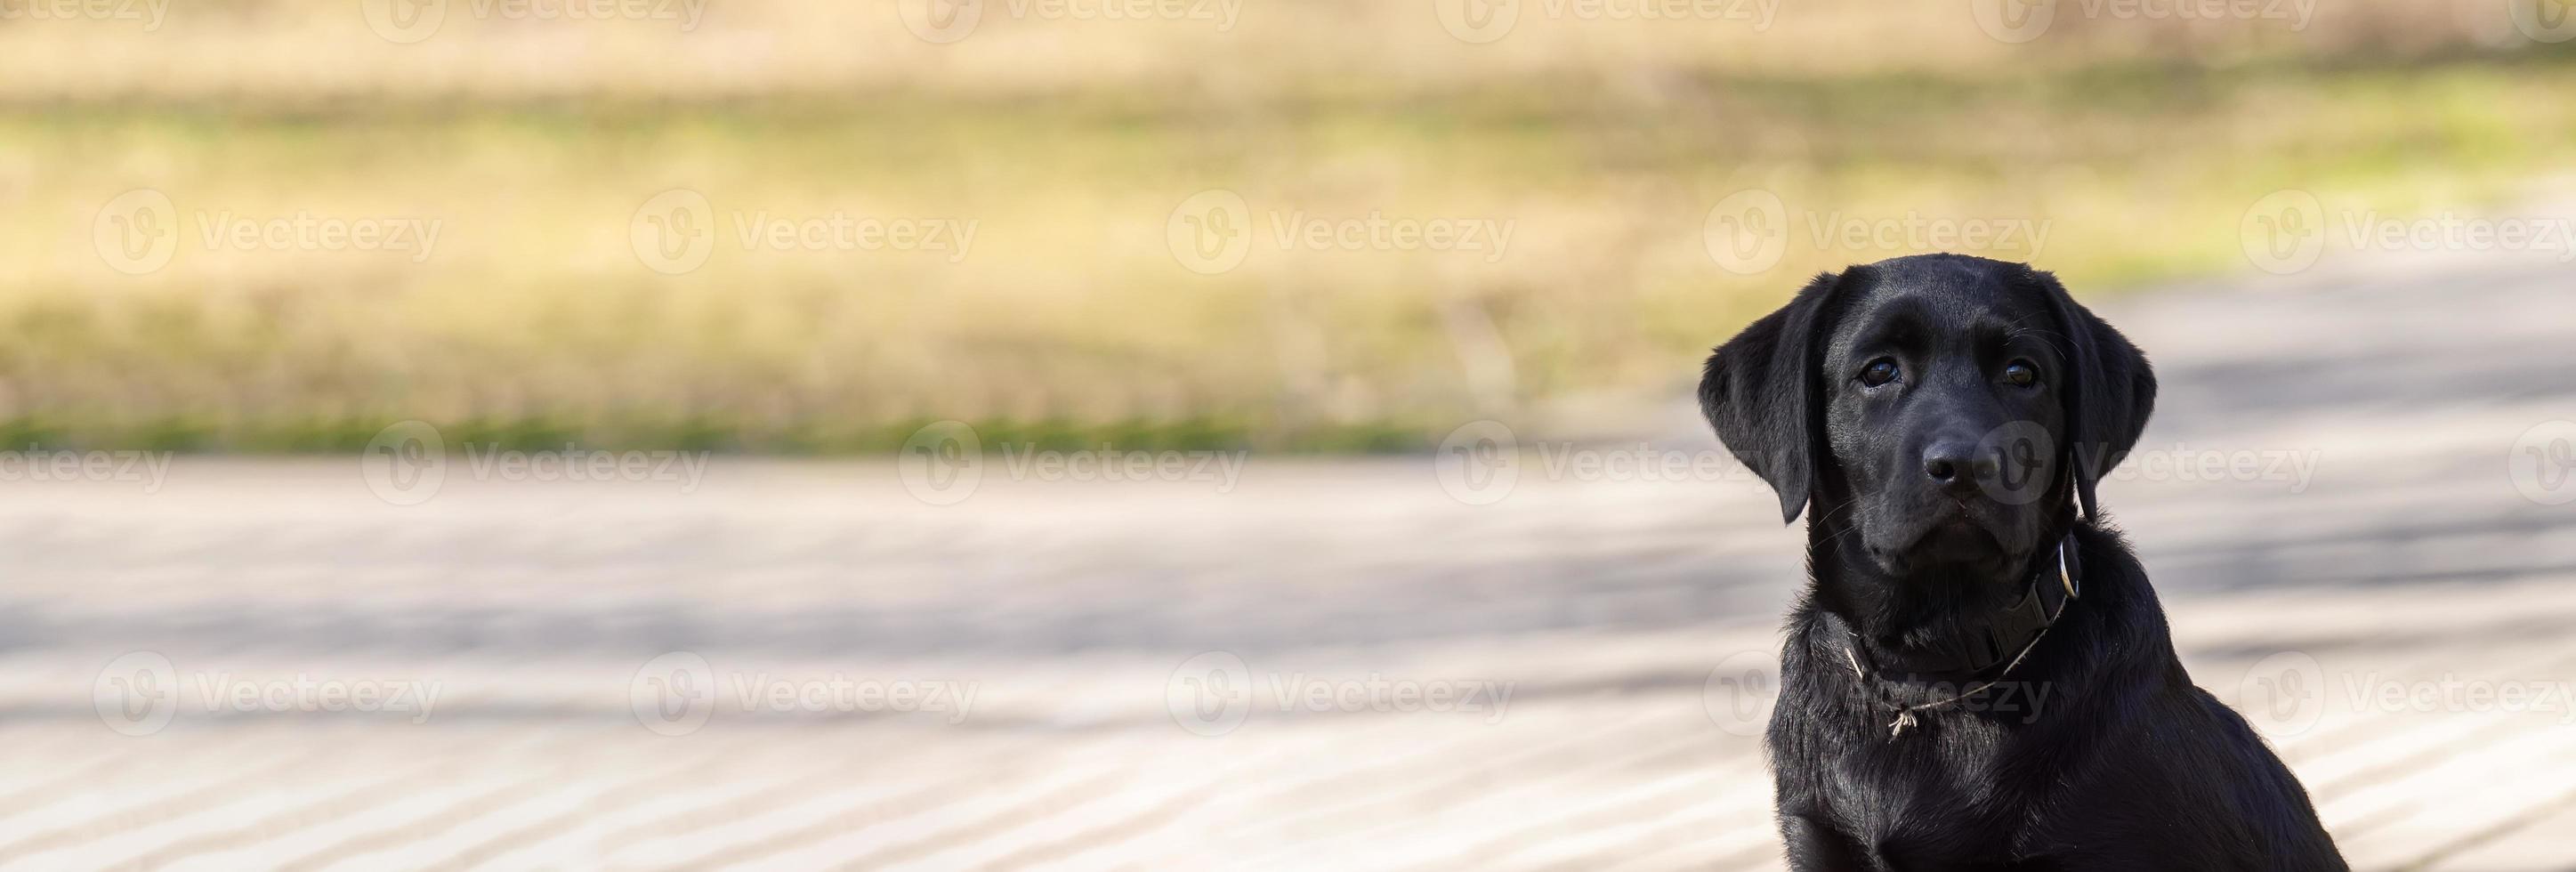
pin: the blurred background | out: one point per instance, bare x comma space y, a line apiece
565, 434
1068, 135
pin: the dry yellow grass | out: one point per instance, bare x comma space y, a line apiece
533, 146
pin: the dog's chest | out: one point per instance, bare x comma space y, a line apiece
1936, 797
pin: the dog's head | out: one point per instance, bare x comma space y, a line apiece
1943, 409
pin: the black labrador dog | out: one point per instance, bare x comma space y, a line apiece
1978, 675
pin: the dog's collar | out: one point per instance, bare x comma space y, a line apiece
2005, 638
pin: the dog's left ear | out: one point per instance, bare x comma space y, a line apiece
2108, 396
1762, 393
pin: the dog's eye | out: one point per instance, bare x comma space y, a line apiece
1878, 372
2021, 374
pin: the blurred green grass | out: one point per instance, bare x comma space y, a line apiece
1070, 322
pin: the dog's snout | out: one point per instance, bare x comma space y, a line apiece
1957, 463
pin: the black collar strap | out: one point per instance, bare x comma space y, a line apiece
2055, 584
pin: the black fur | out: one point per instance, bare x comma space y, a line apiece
2094, 750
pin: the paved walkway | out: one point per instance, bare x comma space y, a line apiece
1329, 665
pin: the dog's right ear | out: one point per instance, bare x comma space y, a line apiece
1763, 393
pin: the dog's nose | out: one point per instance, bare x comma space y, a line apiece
1956, 463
